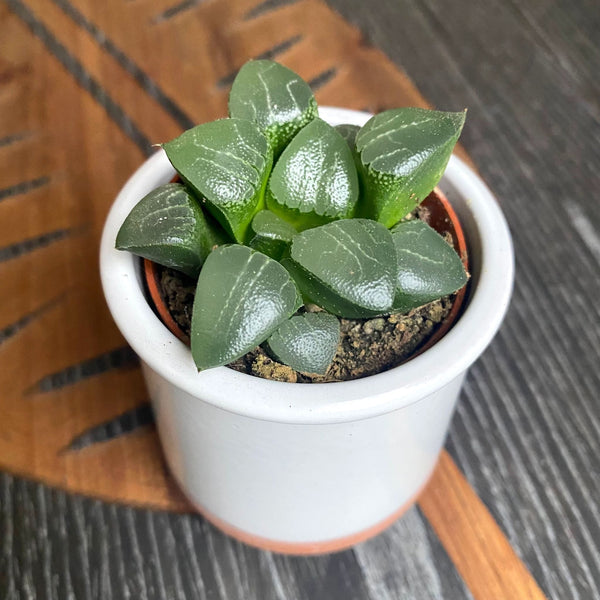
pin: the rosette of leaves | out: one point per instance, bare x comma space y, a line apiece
276, 209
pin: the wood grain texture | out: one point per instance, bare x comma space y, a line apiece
479, 550
56, 545
526, 432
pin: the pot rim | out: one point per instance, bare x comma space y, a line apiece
316, 403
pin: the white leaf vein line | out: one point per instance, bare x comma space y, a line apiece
421, 256
248, 286
370, 141
244, 183
348, 250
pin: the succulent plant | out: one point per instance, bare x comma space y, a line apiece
276, 208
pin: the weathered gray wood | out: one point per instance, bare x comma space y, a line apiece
527, 432
56, 546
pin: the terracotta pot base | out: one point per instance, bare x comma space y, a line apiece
308, 548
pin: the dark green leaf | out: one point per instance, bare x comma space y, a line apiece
428, 267
227, 162
241, 298
307, 342
275, 98
271, 234
315, 179
404, 153
349, 133
168, 227
347, 267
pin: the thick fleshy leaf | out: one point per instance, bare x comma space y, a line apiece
227, 162
428, 267
315, 179
168, 227
307, 342
275, 98
271, 234
349, 133
347, 267
404, 153
241, 298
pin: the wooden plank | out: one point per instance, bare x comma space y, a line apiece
475, 543
88, 549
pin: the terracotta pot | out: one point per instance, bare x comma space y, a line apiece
309, 468
443, 219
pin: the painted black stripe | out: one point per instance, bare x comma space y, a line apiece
121, 358
127, 422
175, 10
322, 78
23, 187
266, 7
11, 139
142, 78
25, 246
83, 78
226, 81
17, 326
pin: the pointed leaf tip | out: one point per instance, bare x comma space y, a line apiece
227, 162
347, 267
168, 227
278, 100
428, 267
315, 179
307, 342
404, 153
242, 297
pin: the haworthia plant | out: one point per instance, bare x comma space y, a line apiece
347, 267
227, 162
271, 234
404, 153
349, 133
167, 226
241, 298
307, 342
315, 179
275, 98
428, 267
314, 206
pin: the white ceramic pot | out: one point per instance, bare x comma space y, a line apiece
306, 468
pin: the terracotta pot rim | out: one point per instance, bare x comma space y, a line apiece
152, 281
